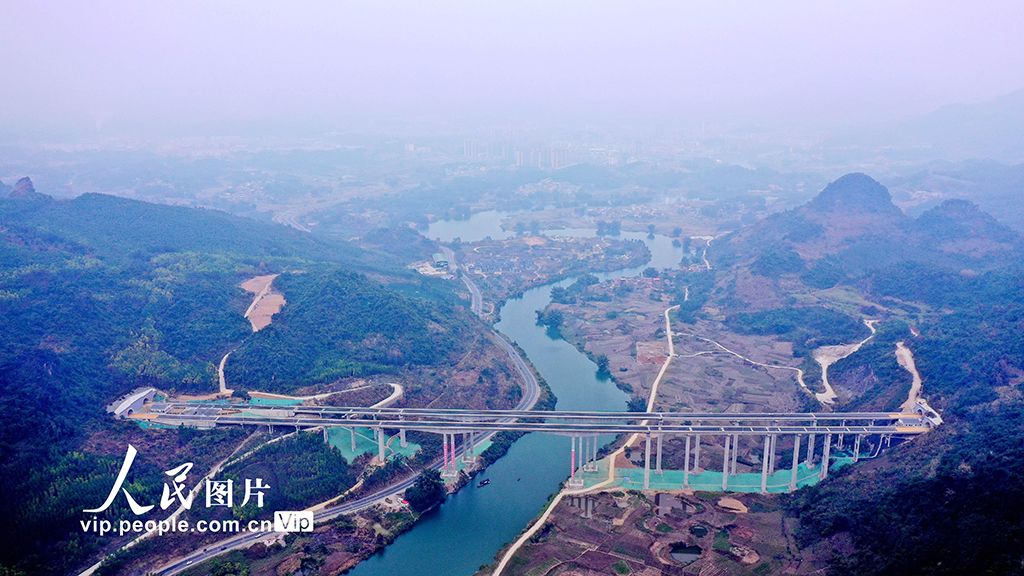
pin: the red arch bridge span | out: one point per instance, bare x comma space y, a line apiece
843, 431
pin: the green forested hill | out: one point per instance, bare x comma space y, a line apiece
951, 502
114, 227
337, 325
99, 295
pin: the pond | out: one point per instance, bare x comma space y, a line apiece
684, 553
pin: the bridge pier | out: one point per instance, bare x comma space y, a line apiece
326, 439
841, 436
657, 468
590, 453
810, 452
401, 437
467, 448
591, 465
725, 465
856, 448
380, 444
686, 464
735, 451
696, 456
574, 480
825, 453
352, 429
647, 463
764, 464
771, 455
796, 462
448, 470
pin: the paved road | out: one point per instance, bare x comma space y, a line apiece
477, 302
245, 540
531, 393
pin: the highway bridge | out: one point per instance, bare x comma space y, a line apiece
582, 427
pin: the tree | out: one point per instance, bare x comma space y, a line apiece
636, 405
427, 492
552, 318
650, 229
560, 295
650, 272
534, 227
676, 232
602, 364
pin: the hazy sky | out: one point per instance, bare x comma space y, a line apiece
184, 61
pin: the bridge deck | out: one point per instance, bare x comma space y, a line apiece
557, 422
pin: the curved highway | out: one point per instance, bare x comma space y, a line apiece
531, 394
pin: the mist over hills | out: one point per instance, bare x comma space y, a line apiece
852, 230
957, 131
856, 210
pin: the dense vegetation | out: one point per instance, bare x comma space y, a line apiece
807, 327
100, 295
427, 492
302, 469
951, 502
341, 324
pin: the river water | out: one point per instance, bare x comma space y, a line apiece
472, 525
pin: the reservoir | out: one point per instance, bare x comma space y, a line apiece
467, 530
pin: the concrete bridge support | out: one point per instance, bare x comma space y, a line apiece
657, 467
725, 465
686, 464
796, 462
575, 480
771, 455
856, 448
467, 448
825, 453
810, 452
735, 452
647, 463
352, 429
448, 470
696, 456
380, 444
401, 437
591, 465
764, 464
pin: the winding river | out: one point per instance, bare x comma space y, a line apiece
473, 524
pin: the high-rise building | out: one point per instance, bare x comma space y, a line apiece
559, 158
471, 149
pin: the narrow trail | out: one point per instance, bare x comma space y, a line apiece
905, 358
829, 355
799, 372
704, 254
220, 376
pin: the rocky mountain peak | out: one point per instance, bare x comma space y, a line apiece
22, 188
855, 193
